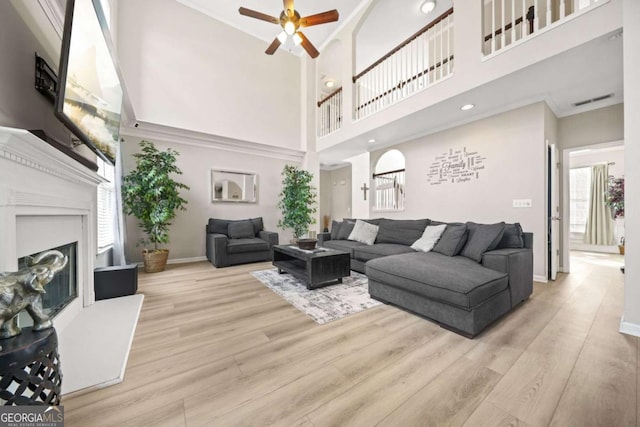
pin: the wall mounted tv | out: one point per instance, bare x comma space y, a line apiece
89, 99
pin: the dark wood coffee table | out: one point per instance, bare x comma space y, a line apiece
320, 267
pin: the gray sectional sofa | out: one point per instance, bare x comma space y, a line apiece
474, 274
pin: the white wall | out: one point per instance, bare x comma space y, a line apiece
187, 234
186, 70
514, 148
360, 174
340, 193
593, 127
631, 20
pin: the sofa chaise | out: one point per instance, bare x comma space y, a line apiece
232, 242
472, 276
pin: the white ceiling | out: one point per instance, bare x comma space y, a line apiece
587, 71
227, 12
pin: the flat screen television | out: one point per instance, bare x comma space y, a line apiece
89, 98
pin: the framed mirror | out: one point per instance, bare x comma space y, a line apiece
232, 186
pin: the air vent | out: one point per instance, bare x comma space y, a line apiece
589, 101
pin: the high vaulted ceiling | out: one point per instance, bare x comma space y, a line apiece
227, 12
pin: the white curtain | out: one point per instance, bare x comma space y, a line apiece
599, 223
119, 236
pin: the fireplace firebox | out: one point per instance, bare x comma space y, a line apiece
63, 288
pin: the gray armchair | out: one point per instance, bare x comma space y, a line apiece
232, 242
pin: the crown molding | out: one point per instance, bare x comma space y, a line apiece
204, 140
54, 14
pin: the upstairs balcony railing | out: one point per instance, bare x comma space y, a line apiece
330, 113
423, 59
508, 21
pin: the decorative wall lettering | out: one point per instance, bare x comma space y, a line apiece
455, 166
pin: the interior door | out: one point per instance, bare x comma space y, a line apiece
554, 211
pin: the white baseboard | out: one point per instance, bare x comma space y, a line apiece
186, 260
540, 279
180, 260
629, 328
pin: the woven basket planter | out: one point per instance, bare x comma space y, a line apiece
155, 261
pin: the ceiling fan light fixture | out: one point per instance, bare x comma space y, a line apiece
289, 28
297, 39
282, 37
428, 6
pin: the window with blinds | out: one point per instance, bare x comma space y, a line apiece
579, 195
106, 205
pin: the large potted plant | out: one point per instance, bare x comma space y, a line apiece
151, 195
614, 198
297, 203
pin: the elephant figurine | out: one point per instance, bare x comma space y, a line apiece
23, 289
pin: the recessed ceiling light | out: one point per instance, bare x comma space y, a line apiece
428, 6
329, 83
371, 141
467, 107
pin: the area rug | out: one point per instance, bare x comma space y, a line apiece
324, 304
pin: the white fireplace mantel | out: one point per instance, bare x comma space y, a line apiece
46, 199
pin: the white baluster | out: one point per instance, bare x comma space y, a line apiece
451, 34
493, 26
562, 9
503, 35
548, 13
523, 24
536, 16
513, 21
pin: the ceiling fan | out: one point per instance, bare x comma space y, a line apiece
291, 22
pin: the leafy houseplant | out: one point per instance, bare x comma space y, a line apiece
614, 198
151, 195
297, 201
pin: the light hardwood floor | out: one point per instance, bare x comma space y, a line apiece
217, 348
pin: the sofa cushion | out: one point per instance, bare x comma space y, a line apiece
452, 240
258, 225
364, 232
241, 229
367, 252
513, 237
335, 229
241, 246
429, 238
401, 231
345, 230
454, 280
218, 226
374, 221
482, 238
343, 245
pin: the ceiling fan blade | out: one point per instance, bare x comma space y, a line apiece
275, 44
320, 18
288, 4
308, 46
258, 15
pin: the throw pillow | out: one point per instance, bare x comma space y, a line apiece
513, 237
219, 226
241, 229
335, 229
482, 237
452, 240
345, 230
401, 231
429, 238
364, 232
258, 225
